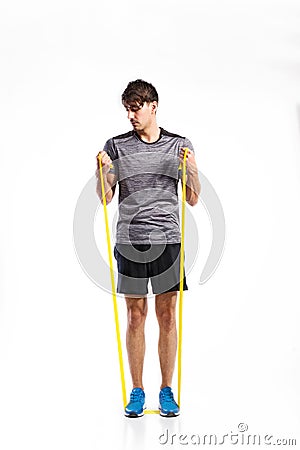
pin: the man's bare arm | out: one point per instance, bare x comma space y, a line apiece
109, 179
193, 186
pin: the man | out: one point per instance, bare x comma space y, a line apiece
146, 163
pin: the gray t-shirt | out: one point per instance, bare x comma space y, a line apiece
147, 176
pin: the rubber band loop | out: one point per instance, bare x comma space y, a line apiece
180, 306
113, 287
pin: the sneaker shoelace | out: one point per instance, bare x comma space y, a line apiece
136, 396
167, 395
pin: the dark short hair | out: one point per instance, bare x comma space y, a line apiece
139, 91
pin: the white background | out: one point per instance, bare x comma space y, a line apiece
227, 73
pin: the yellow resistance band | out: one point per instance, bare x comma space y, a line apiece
121, 363
181, 274
113, 287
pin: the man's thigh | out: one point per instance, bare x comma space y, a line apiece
164, 272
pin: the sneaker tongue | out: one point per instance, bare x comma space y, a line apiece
167, 392
167, 389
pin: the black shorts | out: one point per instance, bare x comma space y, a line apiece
139, 262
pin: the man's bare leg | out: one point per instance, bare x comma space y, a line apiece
135, 337
165, 306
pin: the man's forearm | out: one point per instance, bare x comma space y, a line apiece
193, 186
107, 188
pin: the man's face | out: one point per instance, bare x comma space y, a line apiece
141, 116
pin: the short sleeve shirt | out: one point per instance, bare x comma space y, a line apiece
147, 176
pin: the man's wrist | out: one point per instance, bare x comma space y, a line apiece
192, 170
97, 173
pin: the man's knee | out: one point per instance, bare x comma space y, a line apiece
136, 314
167, 319
165, 306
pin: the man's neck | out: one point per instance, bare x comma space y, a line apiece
150, 134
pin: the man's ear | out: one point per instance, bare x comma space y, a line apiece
154, 106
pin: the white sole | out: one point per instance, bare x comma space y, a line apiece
134, 415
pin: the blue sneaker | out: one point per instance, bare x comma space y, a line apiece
136, 406
167, 405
